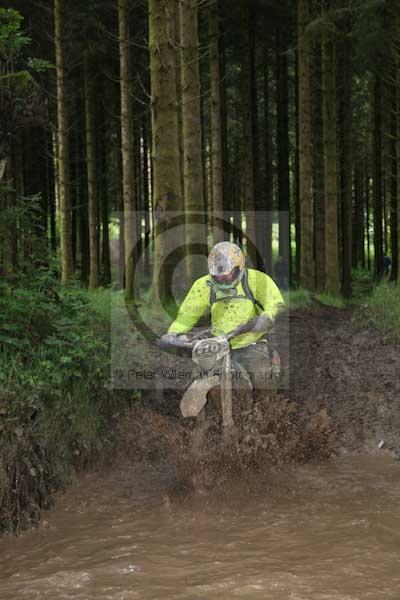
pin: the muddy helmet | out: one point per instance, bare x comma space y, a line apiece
226, 264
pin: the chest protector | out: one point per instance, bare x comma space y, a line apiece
225, 294
217, 294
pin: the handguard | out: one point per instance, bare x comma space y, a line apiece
260, 324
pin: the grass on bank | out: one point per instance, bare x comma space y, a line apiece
301, 298
377, 309
297, 298
381, 312
330, 300
362, 287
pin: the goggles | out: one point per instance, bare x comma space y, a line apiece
227, 278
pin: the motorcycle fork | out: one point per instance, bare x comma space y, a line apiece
226, 396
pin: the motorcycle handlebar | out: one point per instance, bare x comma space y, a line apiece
188, 341
183, 341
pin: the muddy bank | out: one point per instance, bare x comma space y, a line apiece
343, 396
349, 374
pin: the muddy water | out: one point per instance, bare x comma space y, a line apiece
321, 532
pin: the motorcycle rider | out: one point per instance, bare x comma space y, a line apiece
243, 305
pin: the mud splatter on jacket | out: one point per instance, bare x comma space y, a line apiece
229, 311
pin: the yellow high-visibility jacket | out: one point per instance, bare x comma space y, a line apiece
230, 311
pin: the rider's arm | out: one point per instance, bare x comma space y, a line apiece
259, 324
192, 308
268, 295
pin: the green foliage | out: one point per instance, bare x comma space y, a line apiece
39, 65
362, 285
24, 216
362, 276
100, 303
53, 327
381, 311
19, 80
21, 98
54, 404
12, 40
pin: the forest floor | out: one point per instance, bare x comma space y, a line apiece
343, 398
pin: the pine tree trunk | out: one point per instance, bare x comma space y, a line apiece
34, 152
260, 224
147, 199
393, 13
367, 215
206, 150
397, 114
84, 233
358, 218
105, 240
346, 164
318, 167
377, 166
192, 136
127, 145
216, 121
361, 220
45, 204
18, 161
179, 99
63, 149
138, 182
165, 139
74, 174
354, 233
386, 162
268, 169
297, 174
51, 183
282, 140
247, 119
116, 159
306, 278
9, 246
235, 193
50, 192
224, 126
394, 171
332, 284
105, 234
93, 209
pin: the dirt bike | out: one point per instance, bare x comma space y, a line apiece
212, 354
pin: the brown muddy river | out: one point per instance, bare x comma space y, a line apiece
323, 532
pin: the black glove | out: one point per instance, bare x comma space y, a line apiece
260, 324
